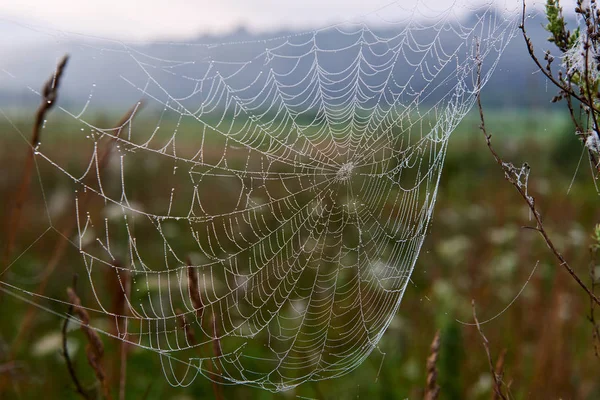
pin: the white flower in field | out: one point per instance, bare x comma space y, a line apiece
52, 344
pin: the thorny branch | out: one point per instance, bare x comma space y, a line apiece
517, 177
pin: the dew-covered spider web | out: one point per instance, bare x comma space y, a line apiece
262, 211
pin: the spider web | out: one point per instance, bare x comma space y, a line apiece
287, 185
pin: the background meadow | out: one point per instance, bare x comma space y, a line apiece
476, 249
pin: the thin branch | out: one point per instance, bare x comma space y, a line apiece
68, 362
592, 316
486, 345
499, 371
511, 176
531, 51
566, 89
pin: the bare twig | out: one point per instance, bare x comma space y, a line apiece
432, 389
513, 175
68, 362
49, 97
588, 85
486, 345
552, 78
499, 371
592, 316
566, 89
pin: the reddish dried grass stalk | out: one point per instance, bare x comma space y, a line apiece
95, 348
188, 330
120, 283
432, 389
66, 232
198, 305
194, 289
49, 97
499, 371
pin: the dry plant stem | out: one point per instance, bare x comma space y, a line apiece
49, 97
499, 371
95, 348
194, 289
68, 362
565, 89
187, 329
191, 341
66, 233
147, 391
588, 83
217, 351
123, 290
508, 174
198, 305
486, 345
592, 316
548, 75
432, 389
123, 370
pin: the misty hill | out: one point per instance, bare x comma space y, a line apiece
108, 75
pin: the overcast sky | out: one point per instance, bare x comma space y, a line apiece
178, 19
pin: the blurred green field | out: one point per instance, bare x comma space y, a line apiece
476, 249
